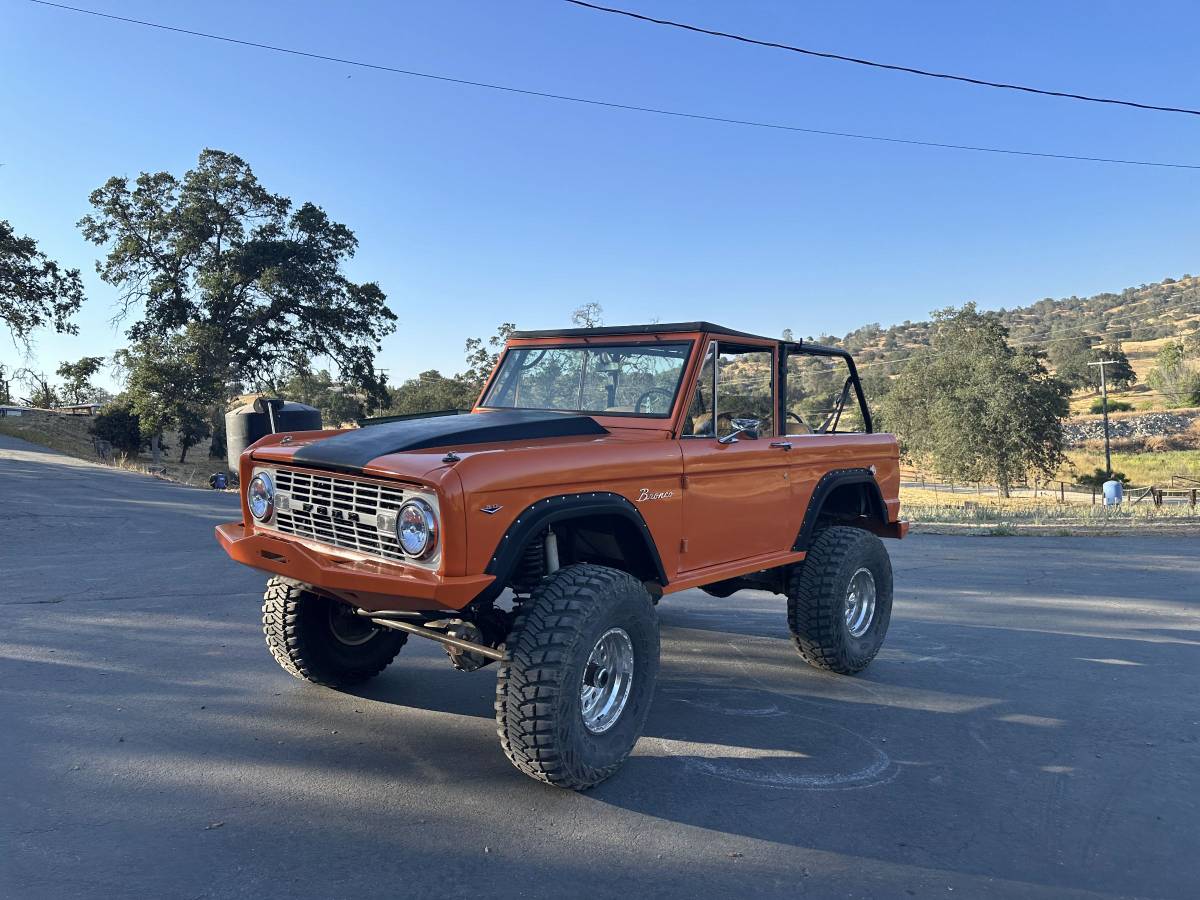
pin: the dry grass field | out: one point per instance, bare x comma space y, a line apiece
1140, 396
1140, 468
991, 514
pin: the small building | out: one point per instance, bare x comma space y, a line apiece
79, 409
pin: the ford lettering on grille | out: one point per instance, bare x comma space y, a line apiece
343, 512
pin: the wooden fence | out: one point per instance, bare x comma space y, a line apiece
1181, 489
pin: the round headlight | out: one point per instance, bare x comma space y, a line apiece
416, 528
260, 496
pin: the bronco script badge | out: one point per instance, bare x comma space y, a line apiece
647, 494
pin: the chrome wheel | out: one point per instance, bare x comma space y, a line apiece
860, 602
348, 628
607, 678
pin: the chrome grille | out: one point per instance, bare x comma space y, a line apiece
344, 512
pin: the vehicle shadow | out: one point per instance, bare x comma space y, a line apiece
965, 748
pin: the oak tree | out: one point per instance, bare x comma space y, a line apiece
975, 409
34, 290
339, 403
77, 377
1175, 376
170, 383
482, 356
260, 277
590, 315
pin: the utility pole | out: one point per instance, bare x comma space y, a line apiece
1104, 405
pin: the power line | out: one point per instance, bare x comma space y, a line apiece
981, 82
679, 114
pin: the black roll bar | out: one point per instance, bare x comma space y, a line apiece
813, 349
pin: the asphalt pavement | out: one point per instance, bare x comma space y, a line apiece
1031, 728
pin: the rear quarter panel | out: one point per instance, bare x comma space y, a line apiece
817, 454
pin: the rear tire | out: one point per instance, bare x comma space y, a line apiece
318, 639
840, 600
577, 679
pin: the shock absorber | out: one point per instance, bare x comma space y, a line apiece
551, 545
531, 569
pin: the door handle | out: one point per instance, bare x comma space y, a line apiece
782, 445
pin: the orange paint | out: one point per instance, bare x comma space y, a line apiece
736, 507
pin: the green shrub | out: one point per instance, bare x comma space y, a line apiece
120, 426
1113, 405
1097, 478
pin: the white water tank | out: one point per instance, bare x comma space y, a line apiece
1114, 492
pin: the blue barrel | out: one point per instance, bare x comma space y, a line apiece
1114, 492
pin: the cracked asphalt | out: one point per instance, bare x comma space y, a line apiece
1031, 728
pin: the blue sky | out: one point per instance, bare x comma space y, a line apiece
474, 207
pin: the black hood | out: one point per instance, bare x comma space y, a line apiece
351, 450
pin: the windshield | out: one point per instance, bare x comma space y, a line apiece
611, 380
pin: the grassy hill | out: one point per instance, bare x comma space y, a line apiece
1142, 318
69, 434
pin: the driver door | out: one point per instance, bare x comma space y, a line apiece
737, 495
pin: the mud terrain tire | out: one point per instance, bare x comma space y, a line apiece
827, 595
313, 639
553, 675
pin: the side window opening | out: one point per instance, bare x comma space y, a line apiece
742, 378
820, 396
699, 422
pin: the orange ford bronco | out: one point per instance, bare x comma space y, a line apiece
601, 469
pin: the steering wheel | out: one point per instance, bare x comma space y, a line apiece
637, 407
807, 429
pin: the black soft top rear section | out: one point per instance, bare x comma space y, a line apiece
350, 451
607, 330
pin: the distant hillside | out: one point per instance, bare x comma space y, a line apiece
1141, 318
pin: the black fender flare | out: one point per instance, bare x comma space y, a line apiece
829, 482
545, 512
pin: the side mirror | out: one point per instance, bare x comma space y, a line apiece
742, 427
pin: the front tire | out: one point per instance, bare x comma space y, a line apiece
575, 686
840, 600
318, 639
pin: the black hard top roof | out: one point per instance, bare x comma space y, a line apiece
676, 328
660, 328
